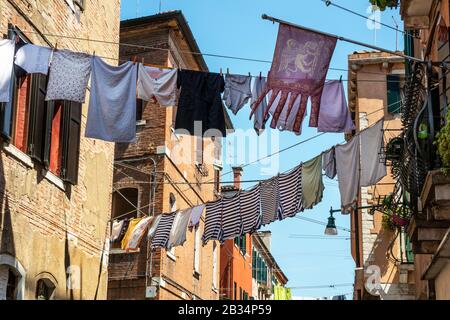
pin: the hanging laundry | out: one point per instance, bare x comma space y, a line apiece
116, 230
285, 122
196, 215
200, 102
69, 76
153, 227
7, 48
312, 182
237, 91
213, 221
329, 163
231, 218
138, 233
300, 65
131, 225
372, 168
177, 236
270, 202
290, 186
33, 59
334, 115
259, 85
162, 233
112, 104
347, 167
158, 83
250, 209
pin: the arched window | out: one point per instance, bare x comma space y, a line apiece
124, 203
12, 278
45, 289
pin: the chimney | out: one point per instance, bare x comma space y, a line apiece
237, 173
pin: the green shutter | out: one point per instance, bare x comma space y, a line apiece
393, 93
409, 251
409, 49
71, 142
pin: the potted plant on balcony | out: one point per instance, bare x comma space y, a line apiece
383, 4
443, 144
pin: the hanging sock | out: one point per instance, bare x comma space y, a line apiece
7, 48
112, 103
334, 115
372, 168
290, 186
347, 167
162, 233
300, 64
329, 163
312, 182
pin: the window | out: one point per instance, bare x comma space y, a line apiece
235, 291
214, 271
124, 203
393, 93
199, 150
240, 293
49, 132
139, 109
45, 289
241, 242
11, 285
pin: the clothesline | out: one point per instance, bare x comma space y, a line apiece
185, 51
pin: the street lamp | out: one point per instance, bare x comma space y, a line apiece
331, 229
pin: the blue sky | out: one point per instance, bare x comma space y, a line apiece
235, 28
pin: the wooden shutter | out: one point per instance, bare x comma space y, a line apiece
39, 125
393, 93
71, 142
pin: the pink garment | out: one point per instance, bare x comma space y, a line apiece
299, 67
334, 115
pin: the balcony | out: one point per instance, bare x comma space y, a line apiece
416, 13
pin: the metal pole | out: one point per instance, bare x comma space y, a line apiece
266, 17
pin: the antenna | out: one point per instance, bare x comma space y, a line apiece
396, 33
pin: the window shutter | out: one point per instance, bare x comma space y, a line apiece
71, 142
38, 127
393, 93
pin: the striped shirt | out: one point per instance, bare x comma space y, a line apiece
250, 210
290, 188
231, 217
163, 230
269, 193
213, 221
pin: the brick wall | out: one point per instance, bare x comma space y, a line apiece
45, 228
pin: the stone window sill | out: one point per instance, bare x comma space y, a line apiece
19, 155
120, 251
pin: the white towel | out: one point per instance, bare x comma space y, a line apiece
112, 105
372, 169
7, 58
347, 167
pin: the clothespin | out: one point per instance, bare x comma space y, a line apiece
93, 53
142, 60
340, 79
134, 59
260, 75
249, 74
221, 72
228, 71
56, 45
